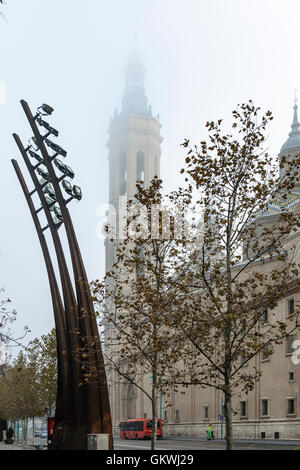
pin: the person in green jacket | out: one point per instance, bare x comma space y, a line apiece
210, 433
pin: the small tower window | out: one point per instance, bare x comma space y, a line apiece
156, 165
123, 173
140, 167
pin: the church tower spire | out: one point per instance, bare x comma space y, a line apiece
293, 140
134, 141
134, 100
291, 147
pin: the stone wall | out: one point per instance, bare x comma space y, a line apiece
244, 430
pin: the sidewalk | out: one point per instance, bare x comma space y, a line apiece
287, 442
15, 446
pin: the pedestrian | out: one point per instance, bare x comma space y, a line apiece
210, 432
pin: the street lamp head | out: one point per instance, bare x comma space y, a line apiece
45, 110
77, 193
56, 147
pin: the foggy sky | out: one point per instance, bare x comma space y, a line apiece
201, 57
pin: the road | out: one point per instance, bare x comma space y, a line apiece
183, 444
200, 444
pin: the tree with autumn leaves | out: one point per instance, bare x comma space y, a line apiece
28, 383
191, 307
245, 262
134, 302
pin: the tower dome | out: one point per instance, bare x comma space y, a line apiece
135, 70
135, 100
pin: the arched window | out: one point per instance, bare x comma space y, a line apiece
131, 401
123, 173
140, 166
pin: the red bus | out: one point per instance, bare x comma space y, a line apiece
139, 429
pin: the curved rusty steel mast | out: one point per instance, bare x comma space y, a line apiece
79, 410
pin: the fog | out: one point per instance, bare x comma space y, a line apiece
201, 58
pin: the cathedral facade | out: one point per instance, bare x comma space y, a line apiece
272, 408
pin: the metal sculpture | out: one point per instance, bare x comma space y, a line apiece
82, 407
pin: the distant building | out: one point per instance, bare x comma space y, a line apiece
272, 409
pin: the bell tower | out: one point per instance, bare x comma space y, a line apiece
134, 142
134, 155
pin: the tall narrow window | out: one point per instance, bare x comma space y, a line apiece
266, 353
291, 406
140, 167
243, 408
291, 306
123, 173
156, 165
289, 344
291, 376
265, 407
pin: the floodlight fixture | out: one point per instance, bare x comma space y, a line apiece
45, 110
64, 168
77, 193
42, 182
67, 187
58, 213
50, 202
47, 126
33, 143
48, 189
44, 174
36, 156
56, 148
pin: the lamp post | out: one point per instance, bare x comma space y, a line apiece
80, 410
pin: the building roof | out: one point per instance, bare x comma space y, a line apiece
279, 204
289, 203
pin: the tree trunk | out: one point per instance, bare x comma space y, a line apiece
228, 419
154, 410
26, 431
33, 432
227, 344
